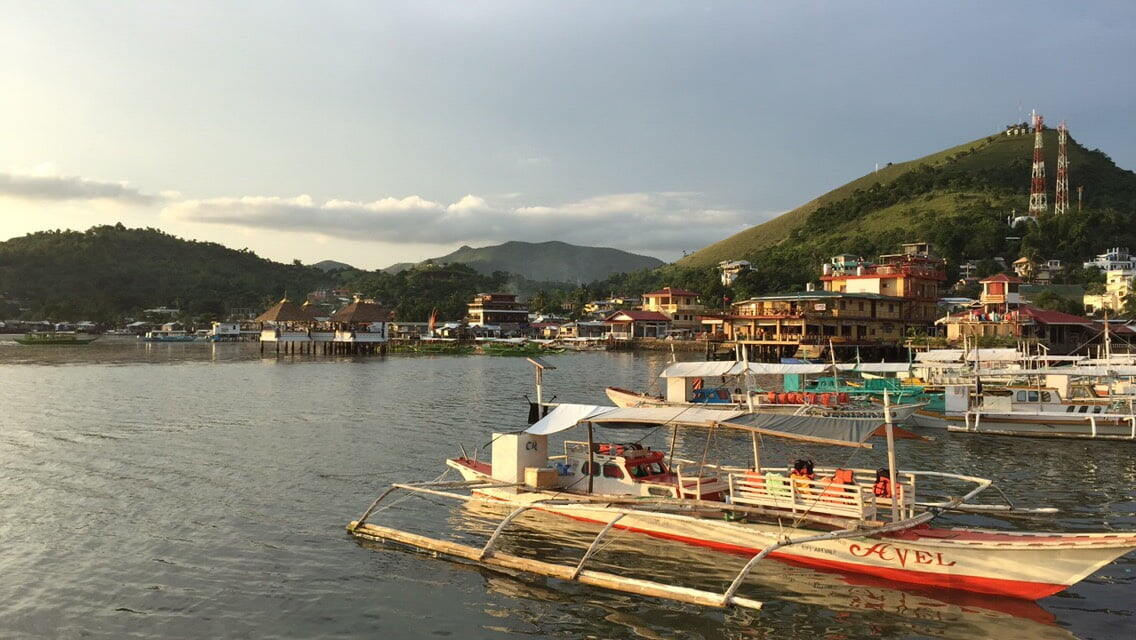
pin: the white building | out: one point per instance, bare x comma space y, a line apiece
731, 269
1115, 259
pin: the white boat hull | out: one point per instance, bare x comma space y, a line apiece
1018, 565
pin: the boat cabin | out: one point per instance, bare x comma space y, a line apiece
631, 469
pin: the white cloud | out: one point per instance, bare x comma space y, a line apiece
647, 221
44, 183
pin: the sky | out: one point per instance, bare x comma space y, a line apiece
382, 132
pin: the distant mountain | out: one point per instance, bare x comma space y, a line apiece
332, 265
552, 261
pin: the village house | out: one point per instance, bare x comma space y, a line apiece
628, 325
498, 310
1117, 287
681, 307
1037, 272
731, 269
583, 329
1001, 312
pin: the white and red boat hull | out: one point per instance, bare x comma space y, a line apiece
1018, 565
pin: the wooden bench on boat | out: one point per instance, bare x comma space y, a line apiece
823, 496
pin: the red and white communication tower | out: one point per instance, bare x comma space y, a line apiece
1061, 197
1037, 205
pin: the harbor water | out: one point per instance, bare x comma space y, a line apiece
202, 490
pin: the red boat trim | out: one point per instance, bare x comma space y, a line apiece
995, 586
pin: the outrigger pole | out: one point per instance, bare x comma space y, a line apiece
893, 488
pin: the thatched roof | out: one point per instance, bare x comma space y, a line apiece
359, 311
285, 311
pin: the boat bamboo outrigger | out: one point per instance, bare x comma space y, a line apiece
853, 520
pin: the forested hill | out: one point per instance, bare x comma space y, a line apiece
959, 200
108, 271
545, 261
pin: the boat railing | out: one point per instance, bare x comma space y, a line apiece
799, 495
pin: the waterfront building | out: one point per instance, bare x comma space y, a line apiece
681, 307
583, 329
786, 321
360, 327
1001, 312
500, 310
627, 325
914, 275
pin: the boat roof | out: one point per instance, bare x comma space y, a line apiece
733, 368
820, 429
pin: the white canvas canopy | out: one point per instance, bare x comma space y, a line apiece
734, 368
994, 355
698, 369
1099, 371
876, 367
566, 416
939, 355
837, 431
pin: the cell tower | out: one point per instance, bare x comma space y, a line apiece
1037, 205
1061, 197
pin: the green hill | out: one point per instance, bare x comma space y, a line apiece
332, 265
958, 199
545, 261
108, 271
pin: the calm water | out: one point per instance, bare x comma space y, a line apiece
193, 490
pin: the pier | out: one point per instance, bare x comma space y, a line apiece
360, 328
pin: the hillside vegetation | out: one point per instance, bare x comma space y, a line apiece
552, 261
958, 198
109, 271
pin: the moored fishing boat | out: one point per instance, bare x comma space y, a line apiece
727, 385
854, 520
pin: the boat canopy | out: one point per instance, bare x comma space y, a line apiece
876, 367
1099, 371
939, 355
734, 368
821, 429
956, 355
566, 416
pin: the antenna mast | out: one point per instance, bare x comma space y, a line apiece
1037, 204
1061, 197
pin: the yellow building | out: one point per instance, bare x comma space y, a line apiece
914, 275
681, 306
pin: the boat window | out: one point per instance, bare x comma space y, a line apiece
660, 491
1096, 409
1033, 396
647, 469
1021, 396
1046, 396
1084, 408
1071, 409
595, 469
612, 470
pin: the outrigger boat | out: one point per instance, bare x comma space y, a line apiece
838, 523
686, 386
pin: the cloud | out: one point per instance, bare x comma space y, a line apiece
669, 221
44, 184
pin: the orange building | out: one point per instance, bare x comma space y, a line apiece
914, 276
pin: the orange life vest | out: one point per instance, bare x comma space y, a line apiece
882, 488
